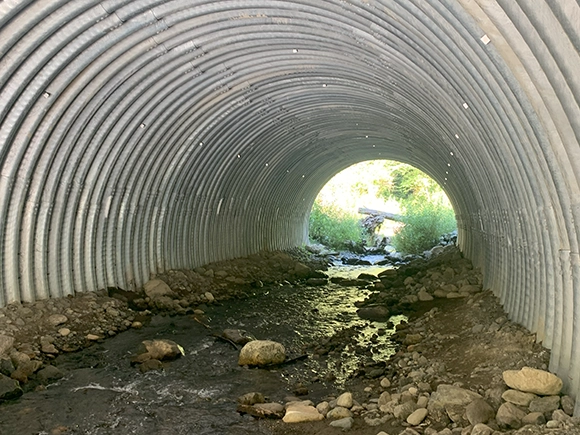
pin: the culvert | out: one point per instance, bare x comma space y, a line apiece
140, 136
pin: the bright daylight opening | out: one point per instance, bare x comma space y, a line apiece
382, 206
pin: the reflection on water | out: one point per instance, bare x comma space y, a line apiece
103, 394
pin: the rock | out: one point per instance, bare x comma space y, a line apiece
251, 399
152, 364
302, 271
518, 397
454, 295
316, 281
162, 350
156, 288
452, 395
6, 366
545, 404
567, 404
367, 277
559, 415
424, 296
262, 353
323, 408
553, 424
46, 345
49, 373
439, 293
298, 412
64, 332
268, 410
536, 418
378, 313
413, 339
403, 411
343, 423
209, 297
384, 398
510, 416
93, 337
57, 319
534, 381
338, 413
6, 343
385, 383
236, 335
479, 411
417, 417
481, 429
9, 388
344, 400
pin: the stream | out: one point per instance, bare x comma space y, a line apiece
196, 394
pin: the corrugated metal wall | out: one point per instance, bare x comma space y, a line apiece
137, 136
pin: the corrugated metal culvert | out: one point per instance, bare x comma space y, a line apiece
138, 136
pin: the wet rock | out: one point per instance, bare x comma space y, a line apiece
49, 373
518, 397
316, 281
343, 423
544, 404
481, 429
251, 398
510, 416
156, 288
376, 313
9, 388
262, 353
298, 413
417, 417
345, 400
479, 411
237, 336
6, 343
338, 413
57, 319
534, 381
162, 350
263, 410
151, 364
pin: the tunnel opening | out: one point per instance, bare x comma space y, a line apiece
382, 205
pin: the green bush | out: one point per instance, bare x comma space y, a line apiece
425, 222
334, 227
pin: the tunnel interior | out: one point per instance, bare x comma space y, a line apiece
138, 136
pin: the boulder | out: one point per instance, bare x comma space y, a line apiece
510, 416
262, 353
298, 413
156, 288
49, 373
534, 381
162, 350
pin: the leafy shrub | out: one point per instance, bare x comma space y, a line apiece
425, 222
334, 227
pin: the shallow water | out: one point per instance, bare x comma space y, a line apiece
103, 394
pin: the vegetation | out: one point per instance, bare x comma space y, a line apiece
413, 194
333, 227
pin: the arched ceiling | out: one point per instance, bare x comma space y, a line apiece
142, 135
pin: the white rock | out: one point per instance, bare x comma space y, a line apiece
297, 413
417, 417
344, 400
262, 353
534, 381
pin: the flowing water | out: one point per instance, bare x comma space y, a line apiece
195, 394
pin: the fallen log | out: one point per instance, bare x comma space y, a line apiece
383, 214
